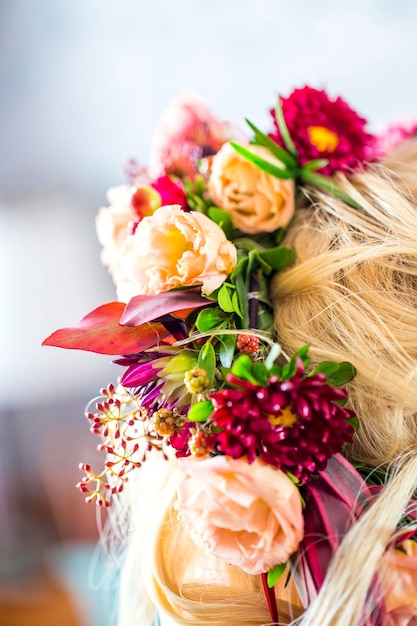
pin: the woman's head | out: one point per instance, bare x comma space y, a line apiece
352, 295
265, 425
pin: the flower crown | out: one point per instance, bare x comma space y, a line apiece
192, 243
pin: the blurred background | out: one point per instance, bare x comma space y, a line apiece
82, 84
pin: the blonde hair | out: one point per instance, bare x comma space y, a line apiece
351, 294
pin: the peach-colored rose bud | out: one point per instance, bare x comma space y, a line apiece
173, 248
112, 224
400, 585
247, 515
257, 201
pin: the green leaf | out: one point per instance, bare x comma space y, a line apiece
260, 373
289, 369
263, 165
200, 411
327, 185
280, 235
314, 164
303, 351
240, 267
293, 478
227, 349
354, 422
207, 360
236, 304
328, 368
242, 368
222, 219
274, 353
242, 294
224, 298
344, 374
208, 318
283, 129
275, 149
279, 257
265, 267
275, 574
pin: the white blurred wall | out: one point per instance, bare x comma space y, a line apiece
82, 83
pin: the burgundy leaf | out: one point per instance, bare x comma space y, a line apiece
335, 499
143, 309
100, 331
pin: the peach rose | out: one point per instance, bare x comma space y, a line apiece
400, 585
174, 248
112, 225
404, 616
257, 202
247, 515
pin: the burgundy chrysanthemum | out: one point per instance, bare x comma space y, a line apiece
295, 425
324, 128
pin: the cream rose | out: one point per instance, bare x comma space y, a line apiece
174, 248
400, 585
112, 225
257, 202
247, 515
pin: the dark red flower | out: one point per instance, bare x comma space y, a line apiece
171, 192
295, 425
322, 128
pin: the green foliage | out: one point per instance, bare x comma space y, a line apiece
275, 574
195, 191
222, 219
243, 368
207, 360
327, 185
283, 129
227, 345
209, 318
282, 155
263, 164
224, 297
337, 374
200, 411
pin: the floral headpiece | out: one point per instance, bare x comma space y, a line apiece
192, 243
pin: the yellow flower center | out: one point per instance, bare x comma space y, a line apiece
286, 418
174, 244
324, 139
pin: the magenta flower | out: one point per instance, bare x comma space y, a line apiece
322, 128
295, 425
180, 441
171, 191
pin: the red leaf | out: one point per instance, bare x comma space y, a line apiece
143, 309
100, 331
335, 498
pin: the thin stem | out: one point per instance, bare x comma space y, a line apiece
270, 598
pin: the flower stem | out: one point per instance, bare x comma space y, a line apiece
270, 598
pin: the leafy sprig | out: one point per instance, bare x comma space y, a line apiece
305, 174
